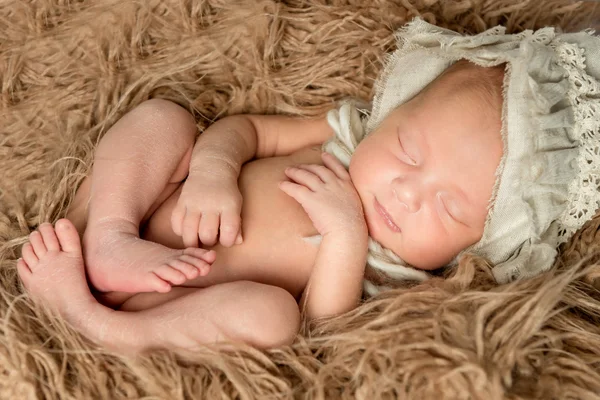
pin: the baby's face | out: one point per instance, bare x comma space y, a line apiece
425, 176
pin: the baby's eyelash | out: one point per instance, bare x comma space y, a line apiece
458, 221
411, 160
448, 211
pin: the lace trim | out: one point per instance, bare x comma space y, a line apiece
584, 190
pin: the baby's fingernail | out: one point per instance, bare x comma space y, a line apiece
239, 239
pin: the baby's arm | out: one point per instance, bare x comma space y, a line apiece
330, 200
210, 202
240, 138
335, 285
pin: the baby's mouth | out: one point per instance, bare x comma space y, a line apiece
385, 216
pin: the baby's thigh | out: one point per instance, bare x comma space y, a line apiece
255, 313
148, 300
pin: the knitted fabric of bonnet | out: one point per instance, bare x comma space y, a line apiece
547, 182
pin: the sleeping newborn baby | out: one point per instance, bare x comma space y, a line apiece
230, 238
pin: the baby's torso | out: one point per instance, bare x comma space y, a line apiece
273, 225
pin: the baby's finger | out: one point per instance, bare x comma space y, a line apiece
209, 229
304, 177
324, 173
230, 228
177, 219
190, 229
335, 166
298, 192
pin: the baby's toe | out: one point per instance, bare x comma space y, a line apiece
68, 236
155, 282
49, 237
170, 274
24, 271
200, 265
29, 255
37, 242
186, 269
208, 256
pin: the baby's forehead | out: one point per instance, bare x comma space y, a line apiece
455, 127
469, 82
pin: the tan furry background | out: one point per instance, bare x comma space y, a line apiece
70, 69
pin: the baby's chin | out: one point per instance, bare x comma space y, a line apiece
428, 267
435, 258
426, 256
424, 259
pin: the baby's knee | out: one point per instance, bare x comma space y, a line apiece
167, 115
273, 317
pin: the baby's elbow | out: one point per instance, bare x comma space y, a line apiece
167, 116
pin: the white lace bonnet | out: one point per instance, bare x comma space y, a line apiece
548, 181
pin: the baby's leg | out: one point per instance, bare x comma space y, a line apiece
133, 164
52, 271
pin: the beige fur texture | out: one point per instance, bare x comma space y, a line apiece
69, 69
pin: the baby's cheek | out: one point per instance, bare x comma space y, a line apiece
430, 251
360, 169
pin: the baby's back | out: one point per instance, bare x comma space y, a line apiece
273, 225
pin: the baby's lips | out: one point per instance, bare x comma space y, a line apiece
239, 239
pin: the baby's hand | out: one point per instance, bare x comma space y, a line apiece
209, 207
327, 195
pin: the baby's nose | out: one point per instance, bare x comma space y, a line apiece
407, 193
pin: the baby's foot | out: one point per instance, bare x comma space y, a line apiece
118, 260
52, 269
52, 272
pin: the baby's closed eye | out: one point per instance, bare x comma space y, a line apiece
407, 154
451, 209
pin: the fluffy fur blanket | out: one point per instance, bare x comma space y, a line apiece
69, 69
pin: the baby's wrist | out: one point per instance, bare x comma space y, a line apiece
348, 248
214, 166
356, 229
355, 235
